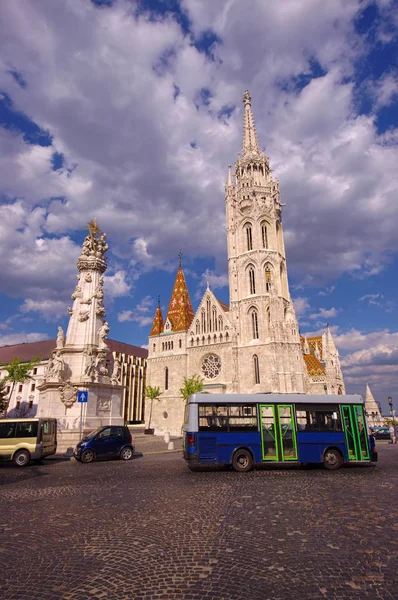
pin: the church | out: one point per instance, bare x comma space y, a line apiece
253, 344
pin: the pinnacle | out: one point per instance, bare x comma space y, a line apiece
250, 141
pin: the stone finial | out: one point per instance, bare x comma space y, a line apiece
250, 142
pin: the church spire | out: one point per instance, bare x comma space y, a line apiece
158, 323
180, 313
250, 141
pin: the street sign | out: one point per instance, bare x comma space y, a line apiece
82, 396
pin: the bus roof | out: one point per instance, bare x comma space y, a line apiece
274, 398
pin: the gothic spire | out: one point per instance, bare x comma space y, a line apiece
180, 313
158, 323
250, 141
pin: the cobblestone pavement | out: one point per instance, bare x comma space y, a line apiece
150, 528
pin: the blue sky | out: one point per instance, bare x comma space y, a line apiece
131, 111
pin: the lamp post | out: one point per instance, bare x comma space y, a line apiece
390, 404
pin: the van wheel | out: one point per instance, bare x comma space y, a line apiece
332, 459
127, 453
242, 461
87, 456
21, 458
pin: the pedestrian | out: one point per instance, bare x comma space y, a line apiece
392, 434
395, 433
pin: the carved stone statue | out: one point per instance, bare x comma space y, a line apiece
103, 334
89, 363
57, 366
115, 372
60, 338
77, 293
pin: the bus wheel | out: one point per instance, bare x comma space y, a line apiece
242, 461
332, 459
21, 458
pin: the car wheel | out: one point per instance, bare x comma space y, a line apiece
127, 453
332, 459
87, 456
21, 458
242, 461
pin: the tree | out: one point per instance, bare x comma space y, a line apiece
153, 393
192, 385
3, 397
18, 372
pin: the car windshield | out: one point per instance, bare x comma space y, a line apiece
91, 435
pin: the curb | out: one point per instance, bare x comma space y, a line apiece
161, 452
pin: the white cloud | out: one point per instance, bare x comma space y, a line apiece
50, 310
324, 313
327, 291
21, 338
116, 285
301, 305
139, 313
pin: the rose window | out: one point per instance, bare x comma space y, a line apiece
211, 366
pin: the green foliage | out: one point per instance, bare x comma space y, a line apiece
192, 385
18, 371
153, 393
3, 399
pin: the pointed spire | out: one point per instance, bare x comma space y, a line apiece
316, 351
180, 312
158, 323
306, 347
250, 141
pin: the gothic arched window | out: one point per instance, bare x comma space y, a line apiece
203, 320
264, 234
252, 282
256, 368
220, 324
268, 279
249, 237
214, 316
197, 326
268, 317
208, 313
166, 378
254, 323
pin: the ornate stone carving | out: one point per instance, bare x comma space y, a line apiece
68, 394
77, 293
60, 338
115, 372
55, 367
245, 206
88, 278
89, 363
102, 335
70, 310
100, 365
83, 315
103, 405
94, 247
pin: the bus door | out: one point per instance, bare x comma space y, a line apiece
278, 434
355, 430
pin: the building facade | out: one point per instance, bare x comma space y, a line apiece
253, 345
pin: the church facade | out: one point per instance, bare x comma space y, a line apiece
253, 344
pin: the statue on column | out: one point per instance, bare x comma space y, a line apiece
56, 366
89, 363
102, 335
115, 373
60, 338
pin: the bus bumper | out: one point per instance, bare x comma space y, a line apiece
190, 456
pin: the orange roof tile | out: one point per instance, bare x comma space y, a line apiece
158, 323
314, 367
180, 311
312, 343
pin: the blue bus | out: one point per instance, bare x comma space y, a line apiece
243, 430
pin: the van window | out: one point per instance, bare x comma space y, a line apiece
26, 429
7, 430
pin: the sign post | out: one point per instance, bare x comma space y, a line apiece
82, 397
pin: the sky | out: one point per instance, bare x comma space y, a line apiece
131, 111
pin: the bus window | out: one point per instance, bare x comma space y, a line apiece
243, 418
7, 430
26, 429
314, 418
213, 418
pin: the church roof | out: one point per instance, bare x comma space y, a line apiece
312, 341
158, 323
180, 312
224, 306
44, 350
314, 367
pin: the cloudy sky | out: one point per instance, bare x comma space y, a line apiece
131, 111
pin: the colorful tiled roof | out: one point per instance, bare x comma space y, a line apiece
314, 367
312, 341
158, 323
180, 311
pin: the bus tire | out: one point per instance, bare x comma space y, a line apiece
332, 459
21, 458
242, 461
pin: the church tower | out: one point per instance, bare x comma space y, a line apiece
266, 344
